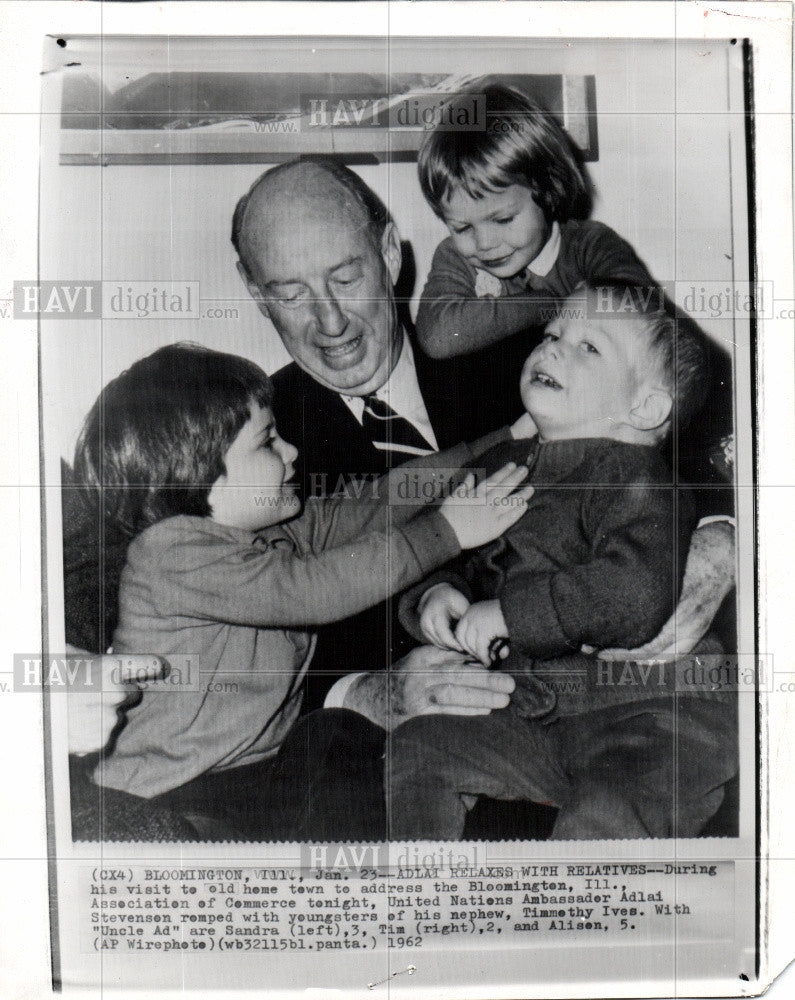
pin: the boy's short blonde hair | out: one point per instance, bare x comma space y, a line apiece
676, 350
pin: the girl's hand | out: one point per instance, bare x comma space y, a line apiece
524, 427
479, 514
439, 608
482, 623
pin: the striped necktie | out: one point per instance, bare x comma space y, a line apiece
392, 433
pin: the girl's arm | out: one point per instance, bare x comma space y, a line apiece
393, 499
206, 572
600, 254
453, 320
199, 574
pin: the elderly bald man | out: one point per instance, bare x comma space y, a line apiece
320, 255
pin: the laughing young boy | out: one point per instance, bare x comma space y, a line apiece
596, 561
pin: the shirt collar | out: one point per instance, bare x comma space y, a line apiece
545, 261
403, 375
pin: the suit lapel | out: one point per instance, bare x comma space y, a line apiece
334, 443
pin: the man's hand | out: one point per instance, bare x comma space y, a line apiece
439, 607
482, 623
524, 427
479, 514
426, 682
93, 712
709, 576
432, 681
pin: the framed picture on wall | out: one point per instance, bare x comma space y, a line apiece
214, 112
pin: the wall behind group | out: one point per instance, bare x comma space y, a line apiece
669, 178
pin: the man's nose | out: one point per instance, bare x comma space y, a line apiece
330, 318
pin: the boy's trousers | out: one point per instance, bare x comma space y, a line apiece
654, 768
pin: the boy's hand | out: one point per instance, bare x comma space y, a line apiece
479, 514
482, 623
439, 607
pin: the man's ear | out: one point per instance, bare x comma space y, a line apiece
390, 250
652, 408
253, 289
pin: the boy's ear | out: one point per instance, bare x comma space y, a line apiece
391, 251
652, 408
253, 289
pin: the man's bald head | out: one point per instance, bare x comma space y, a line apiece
285, 194
320, 256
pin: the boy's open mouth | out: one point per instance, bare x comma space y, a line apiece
541, 378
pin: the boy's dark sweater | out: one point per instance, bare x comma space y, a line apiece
597, 559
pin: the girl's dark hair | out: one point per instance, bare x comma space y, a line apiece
521, 144
154, 442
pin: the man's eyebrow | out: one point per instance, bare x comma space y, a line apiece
275, 287
355, 259
282, 282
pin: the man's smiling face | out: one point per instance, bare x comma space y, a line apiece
326, 285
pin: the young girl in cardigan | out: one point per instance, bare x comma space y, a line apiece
227, 576
510, 196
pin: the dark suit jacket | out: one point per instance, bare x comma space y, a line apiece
333, 450
333, 447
